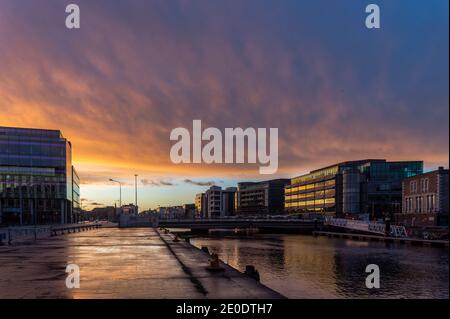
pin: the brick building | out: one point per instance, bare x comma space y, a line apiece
425, 200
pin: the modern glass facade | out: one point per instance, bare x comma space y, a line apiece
355, 187
38, 184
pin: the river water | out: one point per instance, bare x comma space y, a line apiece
303, 266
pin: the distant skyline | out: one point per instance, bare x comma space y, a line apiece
137, 69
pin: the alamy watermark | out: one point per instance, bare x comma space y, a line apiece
373, 279
230, 149
73, 277
372, 20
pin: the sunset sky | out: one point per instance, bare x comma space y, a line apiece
138, 69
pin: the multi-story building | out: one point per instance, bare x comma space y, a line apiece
38, 184
76, 202
261, 198
170, 212
129, 209
366, 187
219, 202
425, 199
200, 205
189, 211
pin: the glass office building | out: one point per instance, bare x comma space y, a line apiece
372, 187
38, 184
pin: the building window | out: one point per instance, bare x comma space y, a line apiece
413, 186
421, 208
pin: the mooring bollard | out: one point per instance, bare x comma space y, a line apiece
205, 249
214, 263
251, 271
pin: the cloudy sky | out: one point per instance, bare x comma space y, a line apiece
137, 69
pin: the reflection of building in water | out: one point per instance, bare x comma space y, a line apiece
239, 252
318, 267
395, 271
310, 257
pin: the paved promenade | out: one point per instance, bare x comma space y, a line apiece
118, 263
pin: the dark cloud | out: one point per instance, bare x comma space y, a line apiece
148, 182
90, 203
96, 204
199, 183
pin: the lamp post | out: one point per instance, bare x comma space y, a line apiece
120, 191
135, 192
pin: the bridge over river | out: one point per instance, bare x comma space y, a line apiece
296, 225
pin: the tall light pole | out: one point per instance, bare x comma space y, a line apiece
135, 192
120, 191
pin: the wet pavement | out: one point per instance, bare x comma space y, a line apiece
118, 263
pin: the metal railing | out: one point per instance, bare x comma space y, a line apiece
21, 233
366, 226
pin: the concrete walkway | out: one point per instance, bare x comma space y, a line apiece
118, 263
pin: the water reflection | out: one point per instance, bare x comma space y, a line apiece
302, 266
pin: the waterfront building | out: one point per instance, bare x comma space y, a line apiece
38, 184
76, 201
189, 211
219, 202
129, 209
261, 198
200, 205
170, 212
425, 199
365, 188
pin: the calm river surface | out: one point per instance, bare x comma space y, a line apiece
302, 266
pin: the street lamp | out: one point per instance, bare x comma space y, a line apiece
120, 191
135, 192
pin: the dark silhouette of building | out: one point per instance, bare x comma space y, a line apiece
109, 213
261, 198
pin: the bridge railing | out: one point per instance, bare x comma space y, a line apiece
361, 225
231, 220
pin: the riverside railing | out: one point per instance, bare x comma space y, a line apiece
23, 233
366, 226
